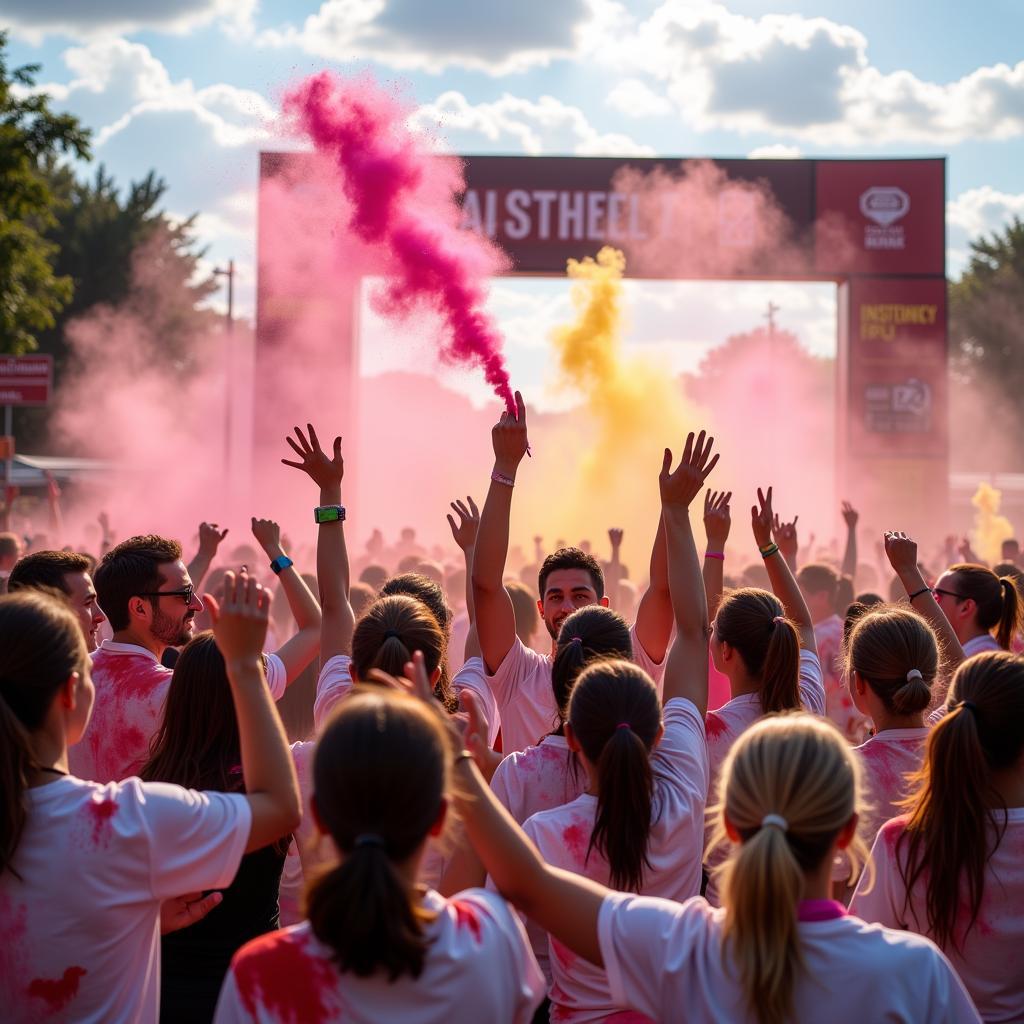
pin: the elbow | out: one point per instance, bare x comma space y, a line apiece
483, 587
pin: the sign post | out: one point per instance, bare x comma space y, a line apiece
24, 381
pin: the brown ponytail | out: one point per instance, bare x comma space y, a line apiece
753, 622
997, 599
956, 816
615, 715
379, 779
896, 653
42, 646
799, 771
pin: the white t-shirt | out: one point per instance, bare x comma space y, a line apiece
81, 929
668, 961
579, 990
478, 968
335, 682
992, 962
976, 645
131, 687
526, 704
538, 778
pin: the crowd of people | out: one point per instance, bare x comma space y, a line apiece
514, 789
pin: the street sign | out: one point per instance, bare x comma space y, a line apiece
26, 380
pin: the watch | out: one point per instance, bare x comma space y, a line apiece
280, 563
329, 514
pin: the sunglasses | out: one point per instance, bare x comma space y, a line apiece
949, 593
186, 595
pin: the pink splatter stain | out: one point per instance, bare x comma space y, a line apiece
57, 992
101, 812
403, 202
576, 839
288, 980
467, 917
714, 726
563, 954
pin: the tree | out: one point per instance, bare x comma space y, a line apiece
31, 137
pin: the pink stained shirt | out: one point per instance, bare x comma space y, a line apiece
828, 636
579, 990
478, 968
991, 963
131, 688
522, 688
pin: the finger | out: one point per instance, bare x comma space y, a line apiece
211, 604
709, 501
294, 465
249, 596
337, 449
760, 497
223, 533
710, 466
688, 448
419, 677
313, 439
296, 448
462, 510
666, 462
472, 505
451, 523
698, 448
198, 909
520, 408
376, 675
795, 520
230, 589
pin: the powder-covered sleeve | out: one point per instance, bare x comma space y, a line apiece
508, 676
277, 676
332, 686
681, 757
880, 899
655, 669
812, 684
473, 677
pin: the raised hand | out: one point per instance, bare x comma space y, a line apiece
850, 516
323, 471
268, 535
615, 537
509, 439
901, 552
762, 519
786, 537
717, 518
685, 483
464, 532
209, 539
240, 627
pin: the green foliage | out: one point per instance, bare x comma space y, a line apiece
32, 136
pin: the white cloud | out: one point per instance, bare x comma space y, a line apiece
498, 38
637, 99
545, 125
975, 213
806, 78
776, 151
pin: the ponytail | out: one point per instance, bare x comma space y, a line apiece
788, 787
957, 817
753, 622
1010, 615
615, 716
42, 646
379, 779
996, 598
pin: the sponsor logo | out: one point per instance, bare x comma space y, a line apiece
901, 408
884, 205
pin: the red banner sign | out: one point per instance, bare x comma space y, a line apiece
26, 380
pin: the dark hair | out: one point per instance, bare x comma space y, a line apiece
379, 780
844, 594
819, 578
429, 593
571, 558
187, 754
996, 597
9, 545
524, 607
374, 575
752, 621
42, 646
615, 716
957, 818
391, 629
885, 648
856, 610
46, 569
588, 634
129, 569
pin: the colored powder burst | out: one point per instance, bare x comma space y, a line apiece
403, 202
990, 528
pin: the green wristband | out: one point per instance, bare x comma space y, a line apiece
769, 551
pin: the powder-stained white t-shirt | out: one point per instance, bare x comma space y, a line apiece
478, 968
991, 962
579, 990
526, 704
81, 928
539, 778
131, 688
669, 961
976, 645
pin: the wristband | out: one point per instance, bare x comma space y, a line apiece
715, 554
280, 563
500, 478
918, 593
329, 514
769, 551
463, 755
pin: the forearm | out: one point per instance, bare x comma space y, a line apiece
332, 573
199, 567
468, 555
849, 567
713, 573
923, 602
654, 614
302, 602
491, 549
787, 590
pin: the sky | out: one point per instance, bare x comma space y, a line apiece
190, 88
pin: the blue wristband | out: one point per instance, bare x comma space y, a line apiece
280, 563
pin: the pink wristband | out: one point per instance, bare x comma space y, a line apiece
715, 554
500, 478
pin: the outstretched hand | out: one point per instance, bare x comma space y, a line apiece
267, 534
717, 518
850, 516
322, 470
762, 520
786, 537
901, 552
240, 627
465, 530
681, 486
210, 537
509, 438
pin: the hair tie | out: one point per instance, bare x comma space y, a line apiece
967, 705
391, 634
776, 621
369, 839
775, 821
914, 674
623, 725
575, 641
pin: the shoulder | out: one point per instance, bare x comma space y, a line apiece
473, 913
522, 659
285, 968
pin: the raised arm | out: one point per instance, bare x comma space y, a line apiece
495, 619
686, 674
271, 788
299, 650
332, 572
613, 574
902, 554
717, 521
209, 541
654, 613
464, 533
850, 517
785, 536
784, 585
